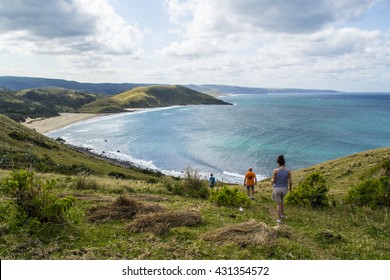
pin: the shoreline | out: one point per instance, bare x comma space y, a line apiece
44, 125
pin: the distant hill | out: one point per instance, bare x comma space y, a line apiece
223, 89
18, 108
49, 102
152, 96
20, 83
44, 102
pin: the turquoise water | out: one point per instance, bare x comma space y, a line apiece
226, 140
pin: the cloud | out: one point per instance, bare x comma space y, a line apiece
215, 17
65, 27
192, 49
209, 27
331, 58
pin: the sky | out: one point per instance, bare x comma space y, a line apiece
324, 44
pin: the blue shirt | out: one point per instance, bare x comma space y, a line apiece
281, 178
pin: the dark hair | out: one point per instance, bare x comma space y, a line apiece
281, 160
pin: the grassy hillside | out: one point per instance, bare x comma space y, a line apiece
43, 102
152, 96
62, 100
129, 219
21, 147
18, 108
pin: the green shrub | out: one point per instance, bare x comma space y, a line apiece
34, 201
193, 184
230, 197
371, 192
311, 192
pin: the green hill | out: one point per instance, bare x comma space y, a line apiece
42, 102
152, 96
19, 108
62, 100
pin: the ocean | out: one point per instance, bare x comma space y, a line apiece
226, 140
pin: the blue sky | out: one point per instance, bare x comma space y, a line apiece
323, 44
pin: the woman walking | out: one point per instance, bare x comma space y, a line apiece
281, 180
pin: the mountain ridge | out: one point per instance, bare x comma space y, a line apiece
19, 83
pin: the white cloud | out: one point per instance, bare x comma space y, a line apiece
276, 42
193, 48
234, 22
66, 27
220, 16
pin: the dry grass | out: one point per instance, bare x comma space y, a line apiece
160, 223
122, 208
247, 233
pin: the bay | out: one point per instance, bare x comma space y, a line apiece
227, 140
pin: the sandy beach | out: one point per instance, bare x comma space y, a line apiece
44, 125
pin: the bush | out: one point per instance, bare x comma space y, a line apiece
371, 192
192, 185
230, 197
33, 200
311, 192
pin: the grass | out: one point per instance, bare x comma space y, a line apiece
338, 232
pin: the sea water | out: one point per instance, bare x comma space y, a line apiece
228, 139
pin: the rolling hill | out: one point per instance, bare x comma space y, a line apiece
20, 83
42, 102
152, 96
48, 102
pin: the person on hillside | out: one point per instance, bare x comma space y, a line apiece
281, 180
250, 181
212, 181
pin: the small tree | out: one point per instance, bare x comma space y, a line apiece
311, 192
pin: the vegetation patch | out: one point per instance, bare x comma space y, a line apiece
192, 185
229, 196
123, 208
32, 201
371, 192
247, 233
161, 222
311, 192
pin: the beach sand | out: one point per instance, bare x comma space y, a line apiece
44, 125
